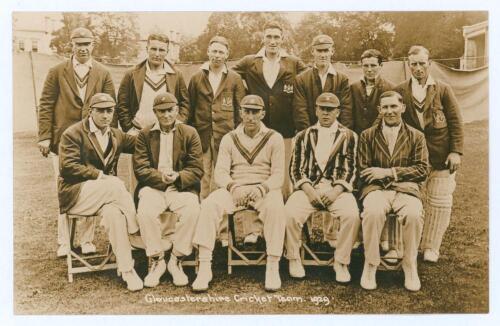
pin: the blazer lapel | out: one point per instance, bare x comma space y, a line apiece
429, 98
313, 140
171, 81
339, 140
400, 140
176, 148
258, 70
69, 74
138, 75
97, 147
222, 84
154, 142
282, 70
93, 76
410, 109
381, 143
114, 143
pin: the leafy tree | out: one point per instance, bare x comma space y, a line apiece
440, 32
116, 34
243, 31
352, 33
61, 40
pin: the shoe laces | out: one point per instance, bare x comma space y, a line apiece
153, 263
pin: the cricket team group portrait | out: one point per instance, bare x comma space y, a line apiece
276, 165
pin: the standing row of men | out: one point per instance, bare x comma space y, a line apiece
289, 93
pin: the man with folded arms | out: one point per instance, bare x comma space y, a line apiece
249, 172
323, 170
89, 152
393, 163
168, 166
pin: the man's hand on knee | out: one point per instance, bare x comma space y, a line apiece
329, 197
313, 196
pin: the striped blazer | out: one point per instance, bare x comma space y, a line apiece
410, 159
341, 165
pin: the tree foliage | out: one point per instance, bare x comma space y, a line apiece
242, 29
116, 34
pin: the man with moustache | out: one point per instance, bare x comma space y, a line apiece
215, 93
393, 163
323, 170
65, 100
89, 151
249, 172
320, 78
365, 92
432, 108
270, 74
168, 165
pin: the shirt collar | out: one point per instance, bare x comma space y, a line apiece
262, 54
331, 70
241, 129
156, 126
93, 128
206, 67
333, 128
386, 127
430, 81
76, 63
165, 69
363, 80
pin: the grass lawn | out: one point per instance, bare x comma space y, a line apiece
458, 283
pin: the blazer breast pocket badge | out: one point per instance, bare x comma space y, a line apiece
288, 88
227, 103
439, 119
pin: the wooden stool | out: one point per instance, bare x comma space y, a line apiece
314, 236
244, 221
91, 263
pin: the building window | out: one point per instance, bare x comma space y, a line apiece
34, 45
21, 45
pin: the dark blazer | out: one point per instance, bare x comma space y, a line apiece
81, 159
308, 88
278, 100
442, 118
60, 103
341, 166
187, 159
364, 107
130, 92
215, 112
410, 159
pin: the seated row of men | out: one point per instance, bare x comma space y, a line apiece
391, 158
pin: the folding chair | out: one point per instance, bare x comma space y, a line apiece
315, 249
394, 232
241, 224
89, 263
168, 220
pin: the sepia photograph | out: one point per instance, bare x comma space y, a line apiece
250, 162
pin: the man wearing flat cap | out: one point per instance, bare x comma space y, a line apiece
215, 93
65, 100
323, 171
168, 165
320, 78
89, 151
270, 74
249, 172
